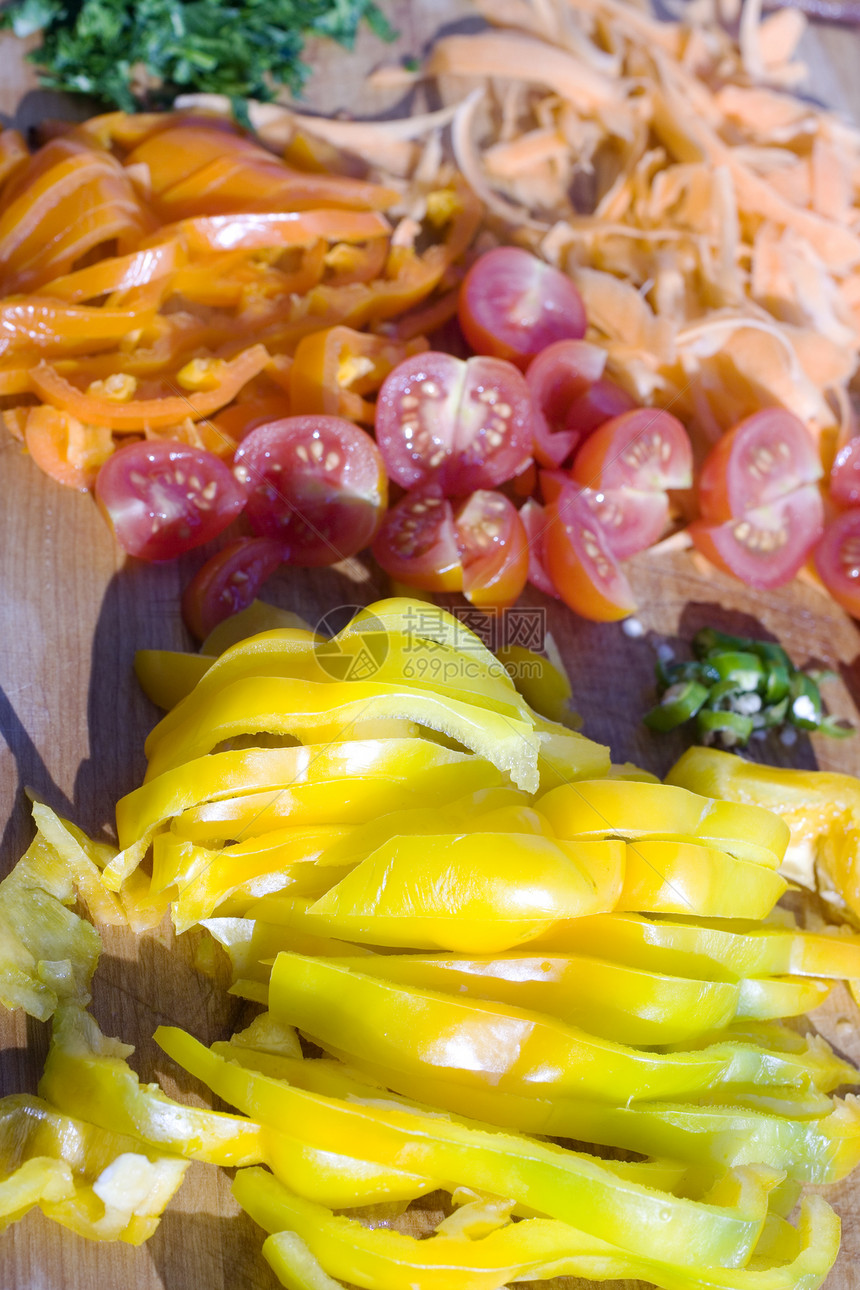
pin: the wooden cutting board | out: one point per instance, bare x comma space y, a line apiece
72, 725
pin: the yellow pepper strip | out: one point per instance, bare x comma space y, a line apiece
340, 782
493, 1045
305, 1234
815, 1140
266, 1034
685, 878
595, 808
820, 808
257, 617
610, 1000
166, 676
543, 683
315, 712
47, 952
86, 1075
476, 892
252, 944
710, 950
102, 1185
293, 654
290, 860
544, 1178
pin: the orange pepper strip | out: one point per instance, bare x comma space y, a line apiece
336, 367
66, 201
256, 232
118, 273
139, 414
15, 380
38, 323
67, 450
13, 153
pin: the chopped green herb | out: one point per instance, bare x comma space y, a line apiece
735, 686
144, 54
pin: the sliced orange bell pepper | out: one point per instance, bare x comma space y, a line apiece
64, 448
138, 414
335, 368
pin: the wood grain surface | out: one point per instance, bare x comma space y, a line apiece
72, 722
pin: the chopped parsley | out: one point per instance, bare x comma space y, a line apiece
143, 54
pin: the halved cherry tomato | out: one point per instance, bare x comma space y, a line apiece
480, 549
461, 425
768, 545
845, 475
643, 449
581, 564
235, 422
837, 559
417, 542
315, 483
599, 403
557, 377
228, 582
493, 548
513, 305
162, 497
761, 459
534, 521
631, 520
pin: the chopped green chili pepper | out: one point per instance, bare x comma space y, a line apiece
678, 704
735, 686
733, 726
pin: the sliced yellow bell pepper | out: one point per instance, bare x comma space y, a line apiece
201, 880
388, 1028
477, 892
814, 1138
544, 1178
47, 951
102, 1185
167, 676
608, 999
308, 1243
252, 944
715, 951
662, 877
315, 712
86, 1075
634, 809
820, 808
340, 783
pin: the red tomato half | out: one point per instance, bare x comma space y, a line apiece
599, 403
162, 497
845, 475
631, 521
761, 459
837, 559
513, 305
558, 377
767, 546
461, 425
644, 449
494, 549
228, 582
534, 521
315, 483
581, 564
417, 542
